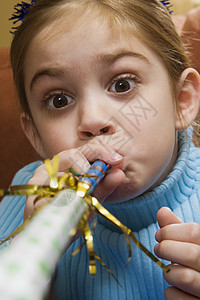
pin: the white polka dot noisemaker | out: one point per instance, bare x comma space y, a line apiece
33, 254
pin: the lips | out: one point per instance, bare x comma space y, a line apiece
118, 166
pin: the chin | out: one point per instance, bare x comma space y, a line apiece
128, 191
123, 193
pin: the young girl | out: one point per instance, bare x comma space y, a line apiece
110, 80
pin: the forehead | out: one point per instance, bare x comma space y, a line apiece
77, 14
81, 51
87, 31
77, 17
70, 22
81, 44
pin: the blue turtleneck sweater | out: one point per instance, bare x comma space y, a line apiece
142, 279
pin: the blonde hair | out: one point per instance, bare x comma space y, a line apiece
147, 18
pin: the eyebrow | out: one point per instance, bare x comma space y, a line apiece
111, 58
50, 72
105, 58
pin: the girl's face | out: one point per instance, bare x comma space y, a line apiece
94, 85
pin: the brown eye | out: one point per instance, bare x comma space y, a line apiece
60, 101
123, 85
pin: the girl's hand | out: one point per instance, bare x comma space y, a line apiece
179, 243
80, 159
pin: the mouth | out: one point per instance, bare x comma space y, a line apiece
120, 166
108, 154
115, 166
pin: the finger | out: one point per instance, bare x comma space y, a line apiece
73, 158
185, 279
101, 151
185, 232
172, 293
80, 158
40, 176
31, 206
165, 217
112, 180
185, 254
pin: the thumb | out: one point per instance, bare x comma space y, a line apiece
166, 217
109, 183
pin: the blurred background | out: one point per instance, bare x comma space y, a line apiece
179, 7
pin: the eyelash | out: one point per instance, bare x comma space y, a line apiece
51, 96
132, 77
129, 77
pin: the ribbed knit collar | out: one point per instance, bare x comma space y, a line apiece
140, 212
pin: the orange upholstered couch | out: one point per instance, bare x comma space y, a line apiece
15, 150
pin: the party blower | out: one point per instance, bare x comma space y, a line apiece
28, 262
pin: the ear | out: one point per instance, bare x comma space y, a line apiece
188, 100
32, 134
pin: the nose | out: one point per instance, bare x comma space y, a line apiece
95, 120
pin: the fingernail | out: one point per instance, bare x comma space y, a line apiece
156, 249
116, 156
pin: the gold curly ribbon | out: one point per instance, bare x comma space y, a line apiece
70, 180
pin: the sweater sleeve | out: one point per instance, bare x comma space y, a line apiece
12, 207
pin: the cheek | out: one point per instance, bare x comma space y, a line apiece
57, 137
159, 136
161, 148
155, 141
162, 123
